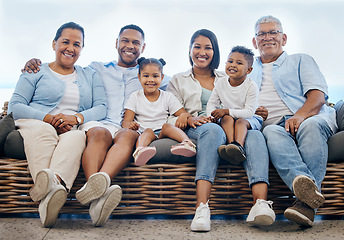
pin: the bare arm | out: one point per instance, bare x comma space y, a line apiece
182, 120
128, 120
315, 100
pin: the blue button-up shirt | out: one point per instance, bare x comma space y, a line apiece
293, 76
119, 83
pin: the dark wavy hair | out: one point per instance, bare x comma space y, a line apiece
71, 25
214, 64
142, 62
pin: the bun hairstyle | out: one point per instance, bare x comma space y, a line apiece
142, 62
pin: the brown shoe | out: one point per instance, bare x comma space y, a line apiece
306, 191
300, 213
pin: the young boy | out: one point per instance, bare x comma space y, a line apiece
238, 99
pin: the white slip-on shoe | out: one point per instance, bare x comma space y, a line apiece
43, 184
94, 188
50, 206
261, 214
306, 191
101, 208
201, 220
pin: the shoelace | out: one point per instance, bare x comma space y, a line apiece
202, 211
264, 201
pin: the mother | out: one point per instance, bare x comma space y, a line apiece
193, 89
51, 108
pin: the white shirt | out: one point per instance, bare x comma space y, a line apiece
70, 101
269, 98
152, 114
241, 101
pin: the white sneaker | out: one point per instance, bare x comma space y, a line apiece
50, 206
101, 209
94, 188
201, 220
261, 213
44, 182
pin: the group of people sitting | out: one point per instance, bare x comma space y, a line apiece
268, 108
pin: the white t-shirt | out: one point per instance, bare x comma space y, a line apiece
269, 98
152, 114
70, 101
241, 101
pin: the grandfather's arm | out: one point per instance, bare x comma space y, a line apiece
315, 100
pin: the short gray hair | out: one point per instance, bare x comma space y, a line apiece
268, 19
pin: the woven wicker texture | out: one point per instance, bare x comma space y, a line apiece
169, 189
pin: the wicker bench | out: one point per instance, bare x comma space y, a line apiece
170, 189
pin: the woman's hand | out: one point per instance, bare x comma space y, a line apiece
263, 112
60, 120
198, 121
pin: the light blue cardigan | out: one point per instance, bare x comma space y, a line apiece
36, 94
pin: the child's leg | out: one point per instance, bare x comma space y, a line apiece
145, 138
170, 131
143, 153
227, 124
185, 148
241, 126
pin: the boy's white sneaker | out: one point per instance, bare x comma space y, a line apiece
94, 188
261, 214
201, 220
50, 206
101, 208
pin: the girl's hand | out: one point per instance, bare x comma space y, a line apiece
198, 121
219, 113
134, 126
182, 121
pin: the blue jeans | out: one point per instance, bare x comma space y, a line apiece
210, 137
257, 158
305, 155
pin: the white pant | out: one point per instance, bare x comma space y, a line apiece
45, 149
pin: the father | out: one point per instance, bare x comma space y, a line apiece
294, 92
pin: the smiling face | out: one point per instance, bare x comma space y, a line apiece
130, 44
270, 48
237, 68
67, 48
150, 78
201, 52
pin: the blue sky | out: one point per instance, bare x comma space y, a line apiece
27, 28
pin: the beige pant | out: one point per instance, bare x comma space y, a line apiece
45, 149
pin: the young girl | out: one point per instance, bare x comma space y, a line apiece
147, 111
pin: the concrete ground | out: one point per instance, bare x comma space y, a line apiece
160, 227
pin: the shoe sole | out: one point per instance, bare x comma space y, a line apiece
109, 205
223, 154
236, 156
41, 187
297, 217
95, 188
307, 192
200, 228
182, 151
54, 206
145, 156
262, 220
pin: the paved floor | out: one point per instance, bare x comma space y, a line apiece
70, 227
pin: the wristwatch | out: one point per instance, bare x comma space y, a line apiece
78, 119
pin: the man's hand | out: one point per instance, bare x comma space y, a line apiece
32, 66
293, 124
263, 112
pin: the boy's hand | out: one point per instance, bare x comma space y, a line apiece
263, 112
219, 113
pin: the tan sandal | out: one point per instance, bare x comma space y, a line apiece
185, 148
